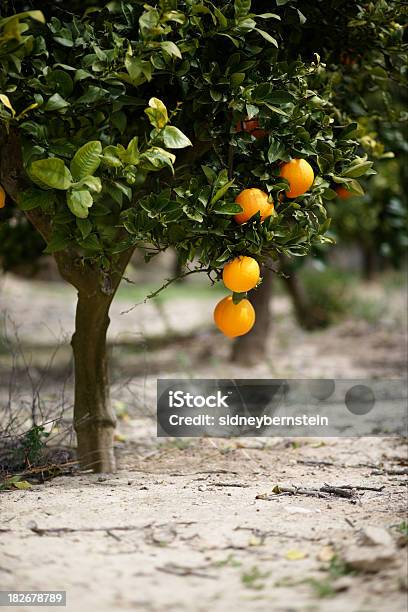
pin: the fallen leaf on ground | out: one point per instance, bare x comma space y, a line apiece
22, 484
295, 555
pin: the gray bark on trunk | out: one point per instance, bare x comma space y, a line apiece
251, 348
94, 420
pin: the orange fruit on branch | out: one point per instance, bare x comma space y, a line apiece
234, 319
300, 176
2, 197
252, 201
241, 274
343, 193
251, 126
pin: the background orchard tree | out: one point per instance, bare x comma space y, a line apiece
365, 52
93, 108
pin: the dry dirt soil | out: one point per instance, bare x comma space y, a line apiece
199, 525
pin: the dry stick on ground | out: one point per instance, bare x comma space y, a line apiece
362, 488
377, 470
316, 462
50, 530
181, 570
228, 484
325, 491
262, 535
390, 472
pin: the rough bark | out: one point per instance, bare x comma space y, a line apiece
251, 348
94, 420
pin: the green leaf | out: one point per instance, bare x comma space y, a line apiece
226, 208
355, 187
115, 193
36, 15
84, 226
220, 192
131, 155
192, 213
357, 169
51, 173
237, 78
91, 242
269, 16
171, 48
267, 37
242, 8
252, 110
125, 189
209, 173
92, 182
276, 150
61, 82
134, 66
6, 102
174, 138
57, 243
33, 198
86, 160
110, 157
22, 485
157, 113
351, 183
79, 203
123, 245
55, 102
279, 96
157, 158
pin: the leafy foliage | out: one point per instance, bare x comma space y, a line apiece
101, 99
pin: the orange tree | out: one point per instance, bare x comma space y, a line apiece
119, 129
365, 52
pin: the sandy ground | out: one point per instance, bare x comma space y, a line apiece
196, 538
180, 527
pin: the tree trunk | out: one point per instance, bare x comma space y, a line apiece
94, 420
308, 316
251, 348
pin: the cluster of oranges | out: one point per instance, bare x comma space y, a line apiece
236, 317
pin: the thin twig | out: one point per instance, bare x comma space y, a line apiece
229, 484
168, 282
181, 570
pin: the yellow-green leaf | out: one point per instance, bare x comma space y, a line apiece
86, 160
6, 102
22, 484
157, 113
295, 555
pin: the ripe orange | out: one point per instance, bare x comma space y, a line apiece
300, 176
234, 319
2, 197
252, 127
346, 59
251, 201
343, 193
241, 274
